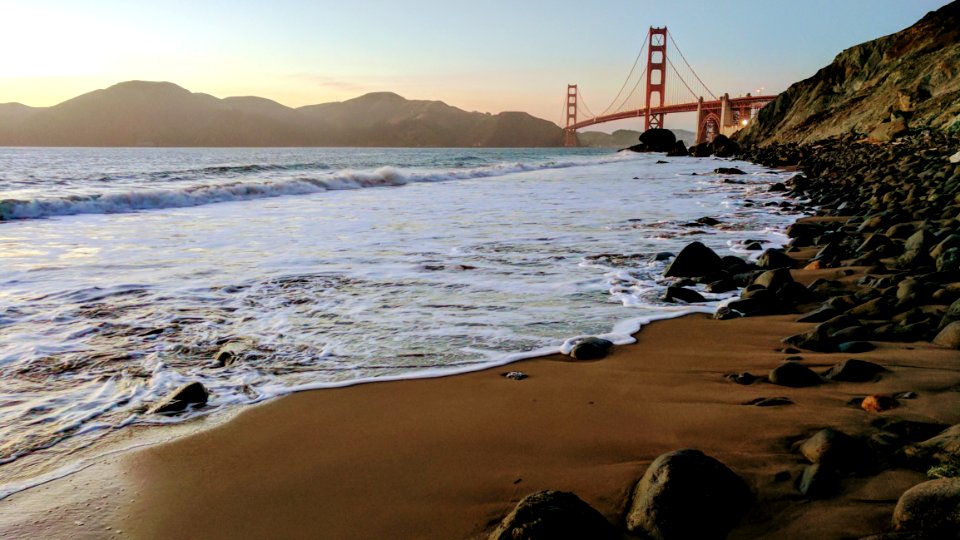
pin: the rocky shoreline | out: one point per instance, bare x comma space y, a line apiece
887, 223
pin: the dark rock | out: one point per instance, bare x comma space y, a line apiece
951, 241
743, 378
177, 401
854, 347
722, 286
949, 337
932, 508
794, 375
548, 515
662, 256
658, 140
678, 150
943, 448
878, 308
694, 260
229, 353
774, 280
775, 258
681, 294
722, 146
818, 481
948, 261
686, 494
873, 242
812, 341
701, 150
916, 249
853, 370
833, 448
777, 187
591, 348
728, 170
952, 314
709, 221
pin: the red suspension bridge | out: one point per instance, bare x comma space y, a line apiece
666, 92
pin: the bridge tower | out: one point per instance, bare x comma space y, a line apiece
656, 75
569, 134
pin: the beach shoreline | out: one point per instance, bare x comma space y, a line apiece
449, 457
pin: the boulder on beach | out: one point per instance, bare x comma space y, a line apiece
833, 448
658, 140
931, 508
682, 294
853, 370
694, 260
775, 258
177, 401
818, 481
794, 375
940, 449
679, 150
687, 494
591, 348
949, 337
548, 515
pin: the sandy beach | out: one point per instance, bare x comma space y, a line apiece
449, 457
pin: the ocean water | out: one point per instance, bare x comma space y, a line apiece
125, 271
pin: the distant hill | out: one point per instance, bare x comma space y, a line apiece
139, 113
623, 138
912, 76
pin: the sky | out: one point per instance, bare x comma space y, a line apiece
489, 56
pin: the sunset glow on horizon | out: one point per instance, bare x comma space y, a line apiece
491, 57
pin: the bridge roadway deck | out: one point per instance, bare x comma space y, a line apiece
735, 103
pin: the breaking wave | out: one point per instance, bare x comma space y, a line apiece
183, 196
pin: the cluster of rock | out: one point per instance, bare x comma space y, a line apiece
894, 233
664, 140
897, 208
682, 494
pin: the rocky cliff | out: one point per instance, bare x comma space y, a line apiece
911, 78
139, 113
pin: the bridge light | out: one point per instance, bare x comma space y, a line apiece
745, 121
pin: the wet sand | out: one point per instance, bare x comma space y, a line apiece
447, 458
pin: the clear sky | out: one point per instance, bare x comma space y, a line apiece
491, 55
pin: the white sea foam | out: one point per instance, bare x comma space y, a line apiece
144, 197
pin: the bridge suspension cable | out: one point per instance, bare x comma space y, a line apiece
633, 91
680, 78
583, 103
705, 87
626, 81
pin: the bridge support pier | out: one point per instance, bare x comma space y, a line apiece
656, 75
569, 132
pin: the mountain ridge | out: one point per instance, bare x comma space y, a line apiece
149, 113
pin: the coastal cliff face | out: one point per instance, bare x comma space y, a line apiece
139, 113
911, 78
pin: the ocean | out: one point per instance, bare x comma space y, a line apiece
126, 271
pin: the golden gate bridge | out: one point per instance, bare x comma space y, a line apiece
665, 92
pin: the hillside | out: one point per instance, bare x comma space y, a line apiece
139, 113
911, 78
